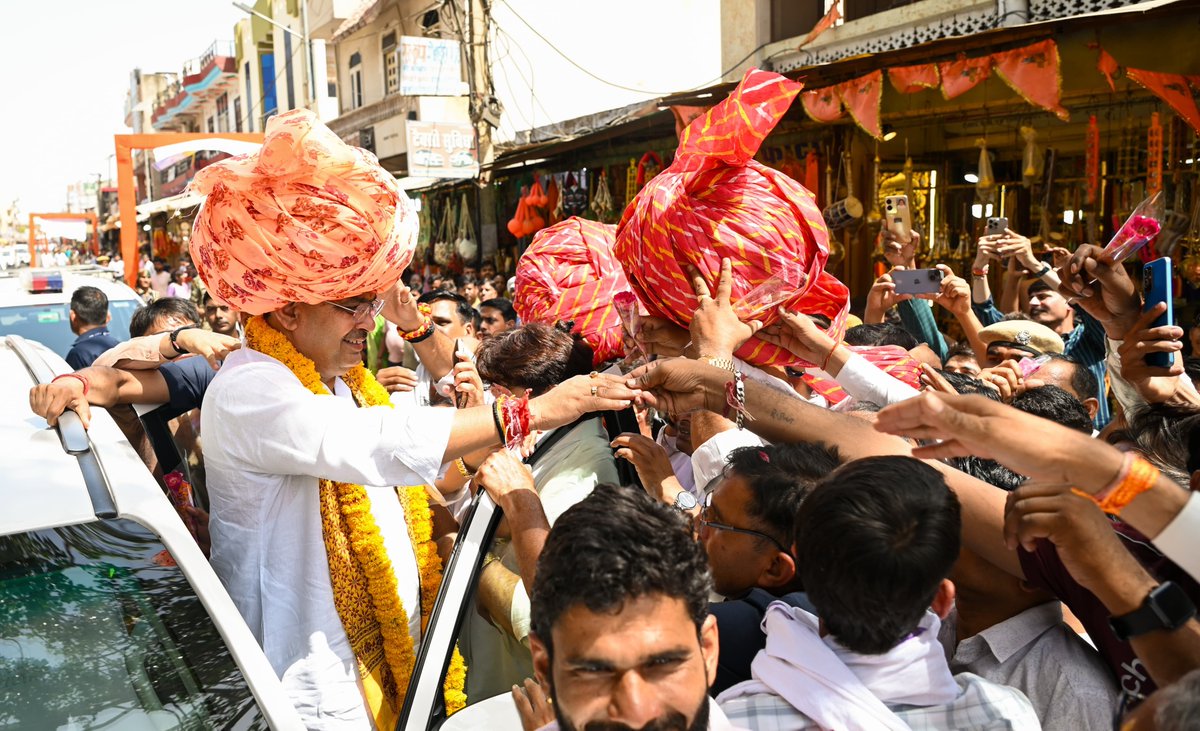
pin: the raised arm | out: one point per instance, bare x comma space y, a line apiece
96, 386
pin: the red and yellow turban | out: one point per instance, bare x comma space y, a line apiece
569, 273
305, 219
715, 201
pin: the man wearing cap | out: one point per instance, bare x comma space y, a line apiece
314, 532
1017, 339
1082, 335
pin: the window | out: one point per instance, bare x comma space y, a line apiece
790, 19
356, 82
249, 99
212, 125
391, 64
237, 114
99, 629
223, 113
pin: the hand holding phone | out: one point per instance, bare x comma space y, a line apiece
461, 355
917, 281
1156, 288
897, 217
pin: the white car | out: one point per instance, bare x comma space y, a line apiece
110, 615
428, 158
34, 303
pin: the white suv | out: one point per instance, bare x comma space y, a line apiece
34, 303
110, 616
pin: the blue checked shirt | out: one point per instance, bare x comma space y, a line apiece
1085, 344
982, 706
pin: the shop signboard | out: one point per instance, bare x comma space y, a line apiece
430, 67
442, 150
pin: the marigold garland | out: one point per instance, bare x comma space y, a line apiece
360, 538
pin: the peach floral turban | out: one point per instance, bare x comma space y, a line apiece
305, 219
569, 273
716, 201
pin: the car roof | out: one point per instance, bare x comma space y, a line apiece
42, 486
14, 283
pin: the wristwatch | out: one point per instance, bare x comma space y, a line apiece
685, 501
1167, 607
175, 336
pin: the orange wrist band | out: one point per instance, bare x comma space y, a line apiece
1141, 477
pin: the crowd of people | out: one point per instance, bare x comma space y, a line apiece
954, 511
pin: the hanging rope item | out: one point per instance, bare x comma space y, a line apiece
465, 241
715, 201
443, 247
602, 201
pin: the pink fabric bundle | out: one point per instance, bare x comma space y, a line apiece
569, 273
306, 219
715, 201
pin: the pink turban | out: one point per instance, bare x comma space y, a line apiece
306, 219
569, 273
715, 201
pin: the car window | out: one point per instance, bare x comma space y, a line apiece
50, 324
99, 628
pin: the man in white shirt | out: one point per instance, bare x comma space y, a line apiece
621, 633
874, 543
303, 451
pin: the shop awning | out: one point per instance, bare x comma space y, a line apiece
174, 203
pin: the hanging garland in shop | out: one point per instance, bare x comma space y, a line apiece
1092, 161
1154, 156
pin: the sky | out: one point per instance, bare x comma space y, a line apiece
66, 66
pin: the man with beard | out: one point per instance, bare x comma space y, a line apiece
622, 638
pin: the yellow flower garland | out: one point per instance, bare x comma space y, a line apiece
360, 538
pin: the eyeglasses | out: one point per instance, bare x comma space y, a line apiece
362, 311
706, 506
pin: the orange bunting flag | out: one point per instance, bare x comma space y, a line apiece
823, 105
824, 24
862, 97
569, 273
1032, 72
963, 74
715, 201
1107, 65
1172, 89
911, 79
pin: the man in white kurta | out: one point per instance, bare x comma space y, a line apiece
266, 438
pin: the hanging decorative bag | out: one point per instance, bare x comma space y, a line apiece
602, 200
516, 224
465, 243
443, 245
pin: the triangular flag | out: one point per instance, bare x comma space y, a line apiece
862, 97
1107, 65
1032, 72
1172, 89
911, 79
823, 105
962, 75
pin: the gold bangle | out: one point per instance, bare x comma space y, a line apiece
463, 470
725, 364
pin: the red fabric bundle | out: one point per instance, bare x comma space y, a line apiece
891, 359
715, 201
569, 273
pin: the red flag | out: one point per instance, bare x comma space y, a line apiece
1172, 89
962, 75
911, 79
1032, 72
823, 105
1107, 65
822, 25
862, 97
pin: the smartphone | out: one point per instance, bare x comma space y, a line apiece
898, 219
918, 281
1156, 287
996, 226
460, 399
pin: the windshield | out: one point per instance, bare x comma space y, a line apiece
99, 629
50, 325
